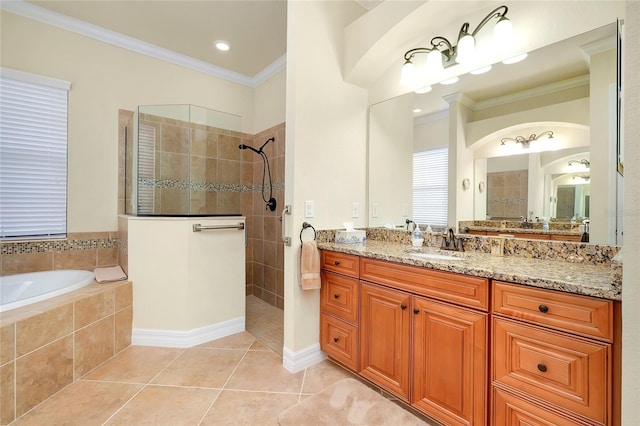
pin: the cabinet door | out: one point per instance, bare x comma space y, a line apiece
384, 338
509, 410
449, 362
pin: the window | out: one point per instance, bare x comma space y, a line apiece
430, 186
33, 155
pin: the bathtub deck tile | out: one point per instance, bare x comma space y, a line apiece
43, 328
123, 324
94, 345
7, 343
93, 308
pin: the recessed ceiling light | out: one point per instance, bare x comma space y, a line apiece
222, 45
416, 110
481, 70
450, 80
515, 59
425, 89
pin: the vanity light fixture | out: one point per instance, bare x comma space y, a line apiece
584, 163
584, 178
526, 141
443, 53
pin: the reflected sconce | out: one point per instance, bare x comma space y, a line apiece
584, 163
526, 141
442, 53
584, 178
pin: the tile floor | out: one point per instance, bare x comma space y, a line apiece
236, 380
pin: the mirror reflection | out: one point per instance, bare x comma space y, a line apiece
567, 89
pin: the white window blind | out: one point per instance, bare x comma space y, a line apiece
146, 168
430, 187
33, 156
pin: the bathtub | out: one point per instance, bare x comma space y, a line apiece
24, 289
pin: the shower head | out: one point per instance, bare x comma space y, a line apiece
243, 146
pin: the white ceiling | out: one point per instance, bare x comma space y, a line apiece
255, 29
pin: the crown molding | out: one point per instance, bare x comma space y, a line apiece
430, 118
32, 11
532, 93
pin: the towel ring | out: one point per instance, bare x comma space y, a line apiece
306, 225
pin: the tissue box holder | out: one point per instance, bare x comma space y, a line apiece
351, 237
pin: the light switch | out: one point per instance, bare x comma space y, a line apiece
374, 210
355, 210
308, 208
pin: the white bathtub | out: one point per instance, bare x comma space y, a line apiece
24, 289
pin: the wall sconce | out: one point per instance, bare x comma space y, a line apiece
526, 141
442, 51
584, 163
584, 178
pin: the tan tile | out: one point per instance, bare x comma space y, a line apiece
258, 346
236, 341
82, 403
187, 369
228, 147
123, 329
75, 259
93, 346
93, 308
7, 343
107, 256
166, 405
136, 364
30, 262
263, 371
43, 328
322, 375
248, 408
124, 296
175, 138
42, 373
7, 393
174, 166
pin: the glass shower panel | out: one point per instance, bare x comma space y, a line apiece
186, 162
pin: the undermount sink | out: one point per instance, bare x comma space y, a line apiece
435, 256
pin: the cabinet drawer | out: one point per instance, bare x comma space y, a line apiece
341, 263
459, 289
339, 340
509, 410
588, 316
570, 372
339, 296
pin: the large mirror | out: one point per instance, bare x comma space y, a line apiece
566, 90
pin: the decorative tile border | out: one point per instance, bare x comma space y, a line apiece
205, 186
45, 246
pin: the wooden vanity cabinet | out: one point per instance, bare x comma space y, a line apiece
552, 353
339, 303
418, 343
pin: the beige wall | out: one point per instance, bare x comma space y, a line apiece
105, 78
630, 289
269, 103
326, 145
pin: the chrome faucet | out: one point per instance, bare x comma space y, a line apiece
450, 242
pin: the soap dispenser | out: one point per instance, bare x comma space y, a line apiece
417, 238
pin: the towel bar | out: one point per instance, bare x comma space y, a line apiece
197, 227
306, 225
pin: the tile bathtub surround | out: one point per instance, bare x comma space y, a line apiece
47, 346
86, 250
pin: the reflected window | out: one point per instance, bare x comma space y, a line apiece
430, 186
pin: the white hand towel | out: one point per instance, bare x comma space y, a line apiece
309, 266
109, 274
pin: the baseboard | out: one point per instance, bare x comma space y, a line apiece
186, 339
298, 361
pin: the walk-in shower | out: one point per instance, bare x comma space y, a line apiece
266, 171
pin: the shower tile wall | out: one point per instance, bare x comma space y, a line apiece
265, 250
507, 194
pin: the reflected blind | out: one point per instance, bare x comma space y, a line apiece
146, 168
33, 156
430, 187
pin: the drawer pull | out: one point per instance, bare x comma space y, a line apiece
416, 311
542, 367
403, 306
336, 296
543, 308
336, 262
335, 339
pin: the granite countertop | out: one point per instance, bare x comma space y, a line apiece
524, 230
570, 277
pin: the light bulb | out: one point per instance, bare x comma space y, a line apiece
434, 61
409, 74
502, 31
481, 70
515, 59
425, 89
466, 48
452, 80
